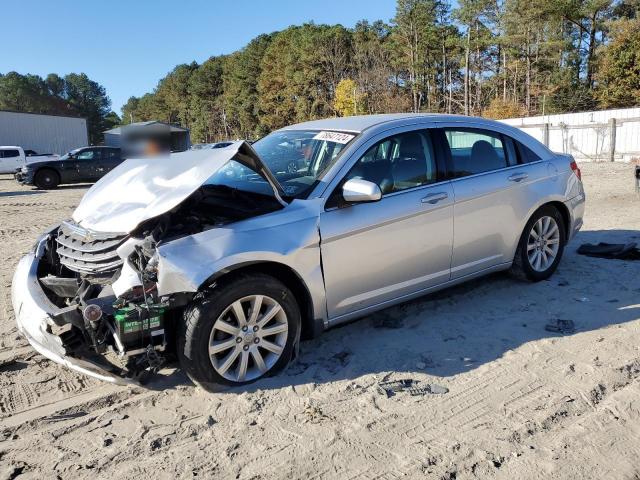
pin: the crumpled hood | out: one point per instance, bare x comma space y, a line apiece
140, 189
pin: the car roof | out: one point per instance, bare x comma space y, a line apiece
359, 123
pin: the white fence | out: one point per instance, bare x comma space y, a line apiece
606, 135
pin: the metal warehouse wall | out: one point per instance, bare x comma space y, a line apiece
43, 133
606, 135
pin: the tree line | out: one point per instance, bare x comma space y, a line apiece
73, 95
496, 58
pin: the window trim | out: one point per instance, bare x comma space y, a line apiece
447, 148
95, 155
438, 152
511, 147
506, 169
519, 148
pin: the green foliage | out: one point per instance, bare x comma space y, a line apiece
300, 70
206, 107
241, 72
111, 120
483, 57
75, 95
30, 93
89, 100
619, 75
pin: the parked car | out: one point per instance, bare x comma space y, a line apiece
13, 158
200, 146
212, 255
81, 165
220, 144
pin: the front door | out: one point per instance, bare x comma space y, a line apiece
87, 162
374, 253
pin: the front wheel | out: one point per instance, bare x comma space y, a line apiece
541, 245
46, 179
239, 331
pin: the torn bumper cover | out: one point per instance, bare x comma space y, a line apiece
34, 315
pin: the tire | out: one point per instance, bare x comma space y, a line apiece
212, 357
46, 179
532, 260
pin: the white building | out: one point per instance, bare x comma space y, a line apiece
43, 133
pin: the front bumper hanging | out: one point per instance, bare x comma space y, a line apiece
34, 312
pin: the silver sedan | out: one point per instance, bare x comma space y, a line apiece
230, 256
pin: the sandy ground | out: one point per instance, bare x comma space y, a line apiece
522, 402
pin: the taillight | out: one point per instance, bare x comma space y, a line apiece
576, 170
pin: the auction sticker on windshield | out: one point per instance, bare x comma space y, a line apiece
336, 137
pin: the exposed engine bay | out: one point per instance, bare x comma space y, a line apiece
105, 284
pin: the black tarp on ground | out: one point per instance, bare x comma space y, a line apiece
619, 251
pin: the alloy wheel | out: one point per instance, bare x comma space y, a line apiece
248, 338
543, 243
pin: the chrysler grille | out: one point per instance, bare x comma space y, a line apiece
85, 251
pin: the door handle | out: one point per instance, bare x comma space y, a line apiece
434, 198
518, 177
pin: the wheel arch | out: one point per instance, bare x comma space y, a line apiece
44, 168
311, 326
558, 205
564, 213
566, 216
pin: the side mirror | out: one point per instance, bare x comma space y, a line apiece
357, 190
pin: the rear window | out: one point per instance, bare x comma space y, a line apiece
475, 151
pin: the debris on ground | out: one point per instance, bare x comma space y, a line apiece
313, 414
560, 326
619, 251
392, 387
431, 388
409, 385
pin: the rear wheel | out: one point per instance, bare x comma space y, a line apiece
541, 245
46, 179
239, 331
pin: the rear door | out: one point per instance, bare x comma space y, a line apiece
110, 159
494, 192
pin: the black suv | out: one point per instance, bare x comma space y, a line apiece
81, 165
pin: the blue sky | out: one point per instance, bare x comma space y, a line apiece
127, 46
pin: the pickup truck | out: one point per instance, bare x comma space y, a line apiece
82, 165
14, 158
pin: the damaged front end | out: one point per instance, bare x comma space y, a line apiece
90, 300
70, 310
